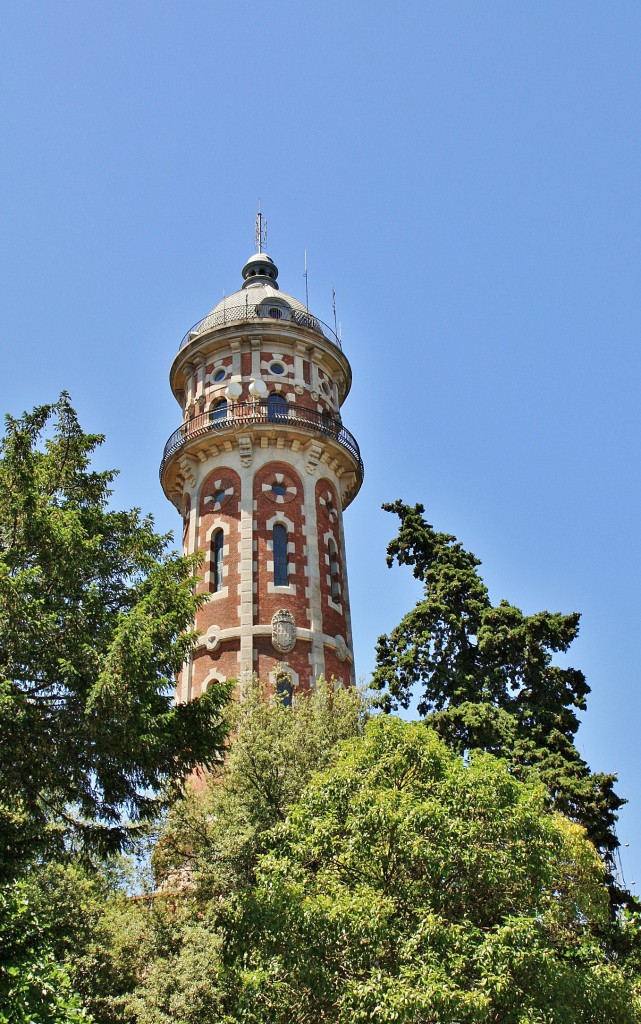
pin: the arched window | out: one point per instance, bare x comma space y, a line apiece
217, 545
334, 572
284, 688
276, 408
279, 551
219, 412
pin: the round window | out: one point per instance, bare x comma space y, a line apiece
218, 496
220, 374
279, 489
277, 368
325, 387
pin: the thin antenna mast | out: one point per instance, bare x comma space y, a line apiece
334, 308
261, 230
306, 291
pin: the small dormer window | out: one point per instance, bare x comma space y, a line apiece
275, 312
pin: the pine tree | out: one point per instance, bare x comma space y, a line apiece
95, 620
487, 681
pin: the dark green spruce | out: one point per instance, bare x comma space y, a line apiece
486, 680
95, 622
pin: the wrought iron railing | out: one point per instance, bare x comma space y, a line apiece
234, 417
250, 311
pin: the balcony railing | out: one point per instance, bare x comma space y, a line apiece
232, 314
235, 417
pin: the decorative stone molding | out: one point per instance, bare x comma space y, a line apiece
245, 448
188, 467
314, 455
212, 638
283, 667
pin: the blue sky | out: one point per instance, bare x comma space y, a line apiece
465, 175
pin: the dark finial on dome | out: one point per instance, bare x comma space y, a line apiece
260, 269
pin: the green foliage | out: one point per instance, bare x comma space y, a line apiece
95, 622
160, 958
330, 874
487, 678
213, 838
407, 886
34, 987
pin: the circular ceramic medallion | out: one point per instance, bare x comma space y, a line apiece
280, 488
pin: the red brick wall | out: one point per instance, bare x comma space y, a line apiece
336, 669
328, 522
223, 661
290, 509
297, 660
222, 609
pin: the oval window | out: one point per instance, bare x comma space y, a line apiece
277, 368
220, 375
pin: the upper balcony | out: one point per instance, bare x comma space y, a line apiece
271, 310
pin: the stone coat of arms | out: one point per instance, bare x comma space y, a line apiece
283, 631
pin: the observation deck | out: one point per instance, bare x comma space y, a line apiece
259, 413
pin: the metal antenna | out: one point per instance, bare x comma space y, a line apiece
334, 308
261, 230
305, 276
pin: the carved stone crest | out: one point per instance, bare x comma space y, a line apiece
283, 631
341, 648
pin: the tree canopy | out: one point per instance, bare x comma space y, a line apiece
408, 885
95, 621
487, 680
393, 881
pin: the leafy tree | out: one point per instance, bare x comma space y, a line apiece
34, 986
95, 621
212, 838
487, 680
157, 958
408, 885
375, 878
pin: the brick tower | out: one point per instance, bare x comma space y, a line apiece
261, 469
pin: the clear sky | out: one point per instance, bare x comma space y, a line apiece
465, 174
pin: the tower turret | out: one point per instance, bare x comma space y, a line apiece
261, 469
